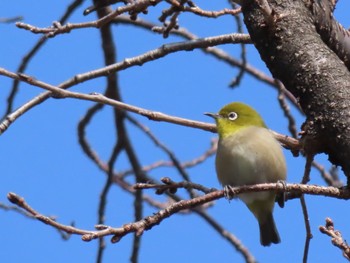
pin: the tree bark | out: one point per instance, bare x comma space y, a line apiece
287, 36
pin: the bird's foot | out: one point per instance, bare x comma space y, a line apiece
281, 196
229, 192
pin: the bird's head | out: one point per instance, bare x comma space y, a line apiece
234, 117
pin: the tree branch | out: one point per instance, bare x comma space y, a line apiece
26, 59
148, 222
337, 239
152, 115
294, 52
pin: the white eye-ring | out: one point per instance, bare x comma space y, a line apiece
232, 116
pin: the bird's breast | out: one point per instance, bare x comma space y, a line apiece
249, 156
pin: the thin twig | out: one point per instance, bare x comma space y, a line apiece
232, 239
305, 180
100, 4
173, 158
10, 20
307, 227
83, 141
104, 193
16, 209
63, 234
337, 239
57, 28
307, 170
328, 177
112, 69
156, 54
212, 14
214, 51
138, 205
117, 178
169, 184
26, 59
286, 110
133, 8
186, 164
152, 115
237, 80
198, 11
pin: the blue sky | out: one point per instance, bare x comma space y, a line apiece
42, 161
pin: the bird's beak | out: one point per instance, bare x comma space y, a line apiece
213, 115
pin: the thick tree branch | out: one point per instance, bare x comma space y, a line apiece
295, 54
332, 33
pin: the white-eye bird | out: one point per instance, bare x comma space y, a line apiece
248, 154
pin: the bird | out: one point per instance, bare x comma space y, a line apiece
248, 154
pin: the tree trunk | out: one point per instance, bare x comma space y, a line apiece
287, 36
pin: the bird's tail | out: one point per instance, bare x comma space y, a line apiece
268, 230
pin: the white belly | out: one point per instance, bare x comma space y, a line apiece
250, 156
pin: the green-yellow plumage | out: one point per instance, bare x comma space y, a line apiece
249, 154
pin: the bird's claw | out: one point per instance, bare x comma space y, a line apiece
281, 196
229, 192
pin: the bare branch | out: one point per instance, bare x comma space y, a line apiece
330, 191
212, 14
249, 258
138, 60
170, 185
237, 80
171, 155
286, 110
198, 11
329, 178
148, 222
64, 235
307, 170
214, 51
158, 116
155, 54
102, 4
11, 19
30, 54
57, 28
16, 209
201, 197
337, 239
307, 227
186, 164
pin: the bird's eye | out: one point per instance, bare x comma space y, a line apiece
232, 116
